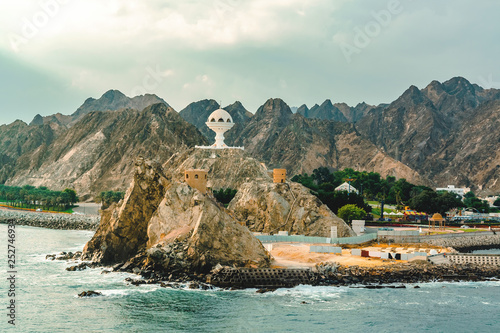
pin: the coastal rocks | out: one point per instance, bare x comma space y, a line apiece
89, 293
271, 207
212, 236
416, 272
50, 220
467, 242
123, 229
164, 227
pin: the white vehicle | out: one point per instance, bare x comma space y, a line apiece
39, 210
465, 227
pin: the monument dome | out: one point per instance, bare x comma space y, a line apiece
219, 121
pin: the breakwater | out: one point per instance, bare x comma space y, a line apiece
50, 220
462, 242
337, 275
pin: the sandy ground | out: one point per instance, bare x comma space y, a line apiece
298, 256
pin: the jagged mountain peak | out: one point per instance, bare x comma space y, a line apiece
37, 120
459, 85
274, 107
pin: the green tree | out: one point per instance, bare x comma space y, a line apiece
351, 212
73, 198
497, 202
225, 196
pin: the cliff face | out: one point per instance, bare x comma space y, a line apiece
122, 232
97, 153
157, 213
270, 207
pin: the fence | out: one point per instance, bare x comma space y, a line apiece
321, 240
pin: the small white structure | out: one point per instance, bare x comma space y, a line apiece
347, 187
358, 226
219, 121
461, 191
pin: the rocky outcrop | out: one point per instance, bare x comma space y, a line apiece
123, 229
212, 235
272, 207
168, 226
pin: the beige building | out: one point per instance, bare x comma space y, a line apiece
197, 178
279, 175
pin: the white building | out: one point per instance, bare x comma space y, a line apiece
347, 187
461, 191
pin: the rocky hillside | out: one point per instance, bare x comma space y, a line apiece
282, 139
268, 207
97, 153
197, 114
18, 139
227, 168
444, 131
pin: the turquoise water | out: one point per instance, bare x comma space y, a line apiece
47, 301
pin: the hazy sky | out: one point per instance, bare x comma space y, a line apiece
56, 53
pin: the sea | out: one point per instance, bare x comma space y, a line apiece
46, 300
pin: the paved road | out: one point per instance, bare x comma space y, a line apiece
87, 208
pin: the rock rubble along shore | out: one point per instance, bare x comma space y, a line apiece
415, 272
50, 220
466, 244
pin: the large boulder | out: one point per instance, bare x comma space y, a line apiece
271, 207
210, 234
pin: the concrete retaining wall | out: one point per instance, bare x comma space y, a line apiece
318, 240
480, 259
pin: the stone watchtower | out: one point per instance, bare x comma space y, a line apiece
197, 178
279, 175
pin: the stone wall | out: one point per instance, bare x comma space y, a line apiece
50, 220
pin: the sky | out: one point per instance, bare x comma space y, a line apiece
54, 54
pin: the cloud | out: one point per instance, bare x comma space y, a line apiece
246, 49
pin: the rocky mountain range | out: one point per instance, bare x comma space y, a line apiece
445, 131
442, 134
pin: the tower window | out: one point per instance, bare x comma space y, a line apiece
187, 176
195, 176
228, 120
221, 120
212, 120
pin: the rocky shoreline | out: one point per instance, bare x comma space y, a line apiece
326, 274
50, 220
469, 243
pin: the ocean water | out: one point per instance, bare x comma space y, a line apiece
46, 301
